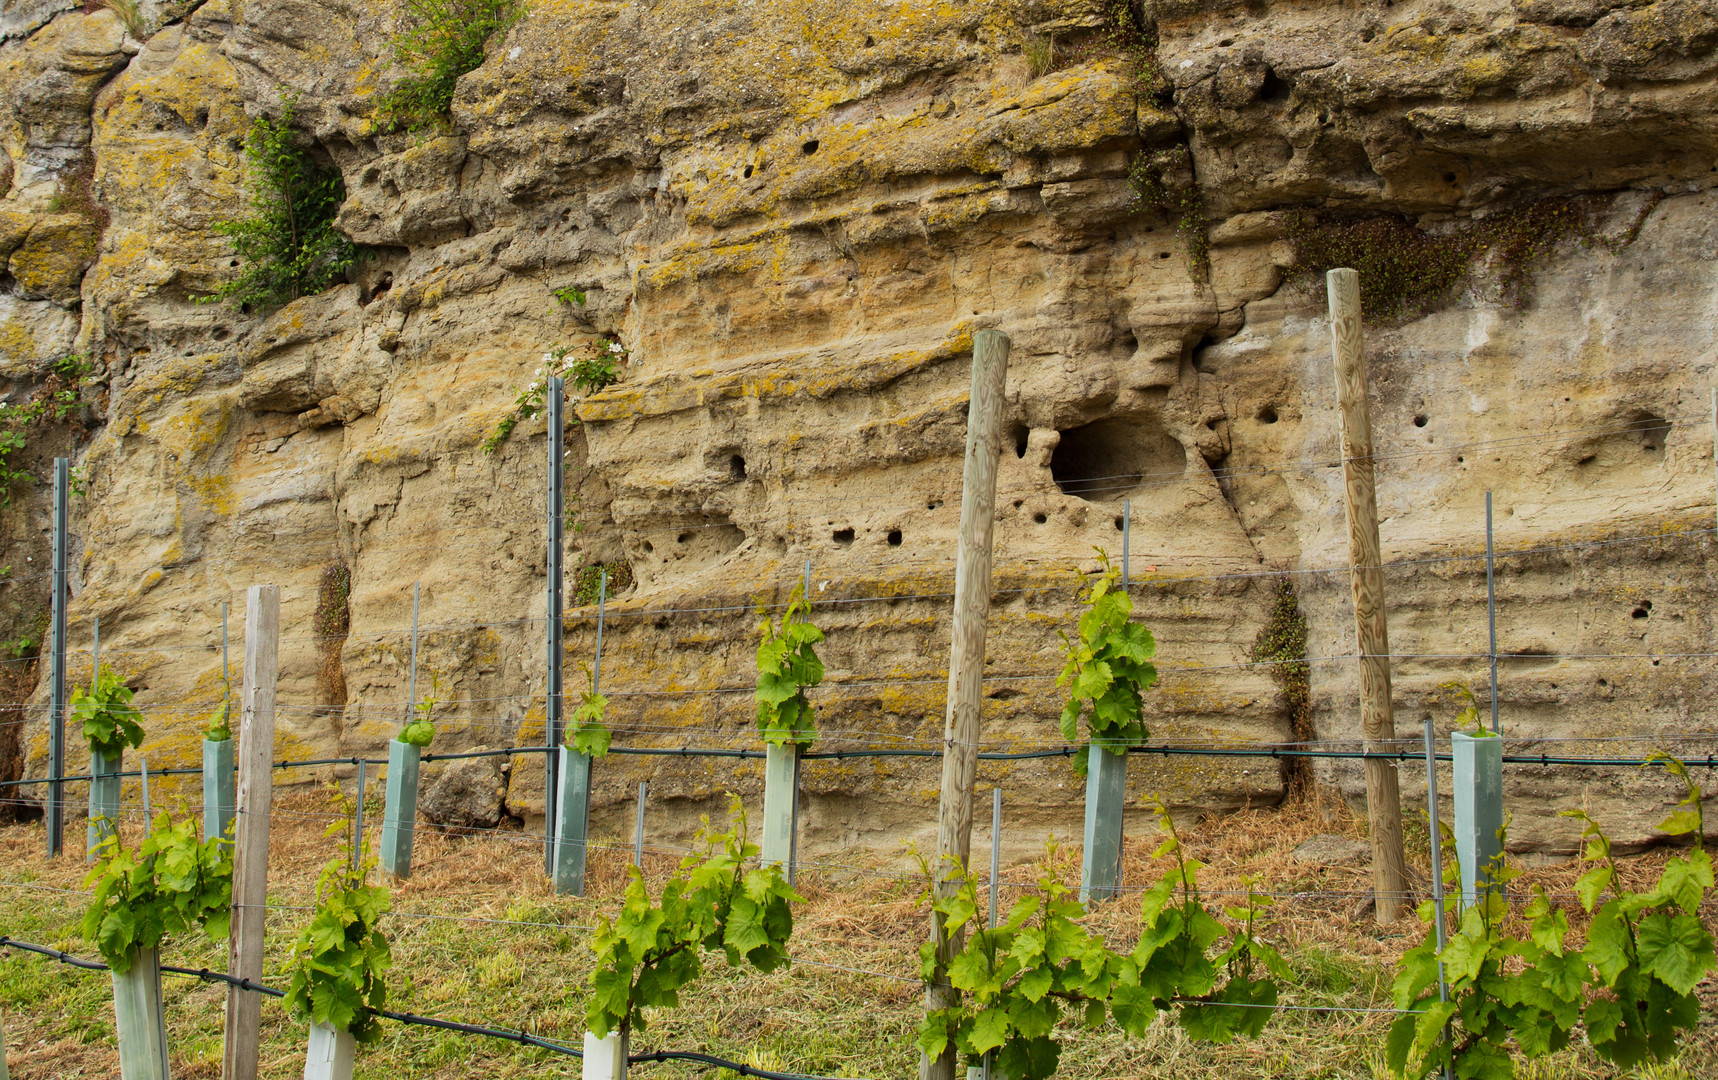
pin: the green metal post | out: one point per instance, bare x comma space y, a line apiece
1477, 762
138, 1015
1106, 794
220, 797
401, 814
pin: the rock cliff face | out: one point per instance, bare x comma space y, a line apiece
794, 214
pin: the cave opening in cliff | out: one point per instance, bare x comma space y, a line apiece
1105, 460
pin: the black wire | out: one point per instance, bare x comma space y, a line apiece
524, 1038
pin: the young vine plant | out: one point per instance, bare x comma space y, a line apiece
787, 666
590, 369
652, 950
110, 721
1108, 666
586, 733
339, 959
1631, 986
419, 731
1017, 981
171, 883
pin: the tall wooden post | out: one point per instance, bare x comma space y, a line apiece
250, 853
1383, 795
966, 653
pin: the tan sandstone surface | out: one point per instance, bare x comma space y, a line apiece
795, 213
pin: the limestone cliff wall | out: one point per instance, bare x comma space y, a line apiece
794, 213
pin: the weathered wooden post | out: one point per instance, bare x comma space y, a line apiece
1383, 794
138, 1015
250, 856
966, 655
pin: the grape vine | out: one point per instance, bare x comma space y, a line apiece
586, 733
340, 957
1108, 665
652, 950
110, 720
787, 665
171, 883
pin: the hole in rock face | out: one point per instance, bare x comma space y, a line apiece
869, 41
1118, 524
1642, 611
1420, 420
223, 334
809, 146
894, 538
1267, 415
1588, 460
1274, 88
1368, 34
1040, 518
843, 537
682, 538
1651, 430
1020, 437
934, 504
737, 467
748, 172
1104, 460
1449, 178
1225, 43
649, 547
1007, 693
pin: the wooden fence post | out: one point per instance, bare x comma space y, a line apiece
250, 856
138, 1015
400, 814
966, 655
1377, 721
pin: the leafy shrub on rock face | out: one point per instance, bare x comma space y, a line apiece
446, 40
288, 246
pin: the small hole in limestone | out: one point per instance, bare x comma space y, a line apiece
222, 335
1460, 460
1267, 415
894, 538
682, 538
1040, 518
1588, 460
1603, 683
649, 547
809, 146
1642, 611
935, 504
1020, 437
1420, 420
1449, 178
737, 467
1164, 254
1368, 34
748, 172
844, 537
869, 41
1225, 43
1018, 503
1118, 524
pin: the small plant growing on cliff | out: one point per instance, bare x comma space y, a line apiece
130, 13
218, 727
288, 245
1281, 643
110, 721
591, 368
587, 581
57, 399
1109, 665
446, 39
787, 667
1163, 180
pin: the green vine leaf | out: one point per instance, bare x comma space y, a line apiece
339, 959
170, 883
586, 731
110, 721
787, 666
420, 731
1107, 666
651, 950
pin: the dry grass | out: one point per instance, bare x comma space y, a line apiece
814, 1018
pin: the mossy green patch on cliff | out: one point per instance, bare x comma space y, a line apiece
1406, 271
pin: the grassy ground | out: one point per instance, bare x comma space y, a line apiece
817, 1017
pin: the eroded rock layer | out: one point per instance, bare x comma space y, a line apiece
794, 214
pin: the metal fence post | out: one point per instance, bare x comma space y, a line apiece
572, 829
1477, 764
556, 402
1491, 612
56, 808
